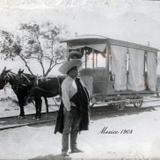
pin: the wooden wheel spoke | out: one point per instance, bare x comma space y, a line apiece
120, 106
138, 104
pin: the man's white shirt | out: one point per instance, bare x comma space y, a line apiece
69, 89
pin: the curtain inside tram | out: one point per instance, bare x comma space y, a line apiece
118, 67
136, 70
152, 70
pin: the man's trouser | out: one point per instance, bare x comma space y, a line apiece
71, 126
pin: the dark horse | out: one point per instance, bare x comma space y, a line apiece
18, 85
27, 85
42, 87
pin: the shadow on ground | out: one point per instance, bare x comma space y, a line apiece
51, 157
109, 112
50, 119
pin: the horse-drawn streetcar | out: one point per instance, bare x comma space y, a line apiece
115, 72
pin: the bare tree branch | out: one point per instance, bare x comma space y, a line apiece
26, 64
42, 66
40, 43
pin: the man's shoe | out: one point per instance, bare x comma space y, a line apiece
76, 150
65, 154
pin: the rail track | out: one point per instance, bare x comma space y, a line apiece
97, 112
29, 120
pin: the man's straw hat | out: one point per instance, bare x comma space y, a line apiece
65, 67
75, 55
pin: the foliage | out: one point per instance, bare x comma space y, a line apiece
36, 42
9, 45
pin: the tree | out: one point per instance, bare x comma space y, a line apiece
9, 45
40, 43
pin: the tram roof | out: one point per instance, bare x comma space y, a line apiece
85, 40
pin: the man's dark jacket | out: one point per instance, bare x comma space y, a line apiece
81, 99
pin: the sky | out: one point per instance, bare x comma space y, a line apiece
23, 10
129, 20
106, 17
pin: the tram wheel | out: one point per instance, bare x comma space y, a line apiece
120, 107
138, 104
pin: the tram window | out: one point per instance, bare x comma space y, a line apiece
94, 60
101, 60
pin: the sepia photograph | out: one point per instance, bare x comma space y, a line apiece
80, 80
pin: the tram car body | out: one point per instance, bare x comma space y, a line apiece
114, 71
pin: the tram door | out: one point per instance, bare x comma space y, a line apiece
94, 72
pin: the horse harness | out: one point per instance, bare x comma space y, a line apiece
37, 84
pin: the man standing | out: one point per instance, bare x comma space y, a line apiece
73, 113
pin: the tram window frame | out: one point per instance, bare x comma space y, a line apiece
94, 59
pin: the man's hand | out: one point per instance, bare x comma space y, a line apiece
68, 113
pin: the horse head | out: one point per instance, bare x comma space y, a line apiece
20, 71
20, 75
4, 77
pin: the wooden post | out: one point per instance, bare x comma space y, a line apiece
93, 58
85, 59
96, 59
67, 52
108, 54
127, 65
145, 71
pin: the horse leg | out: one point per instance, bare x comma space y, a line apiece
21, 104
46, 103
38, 106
